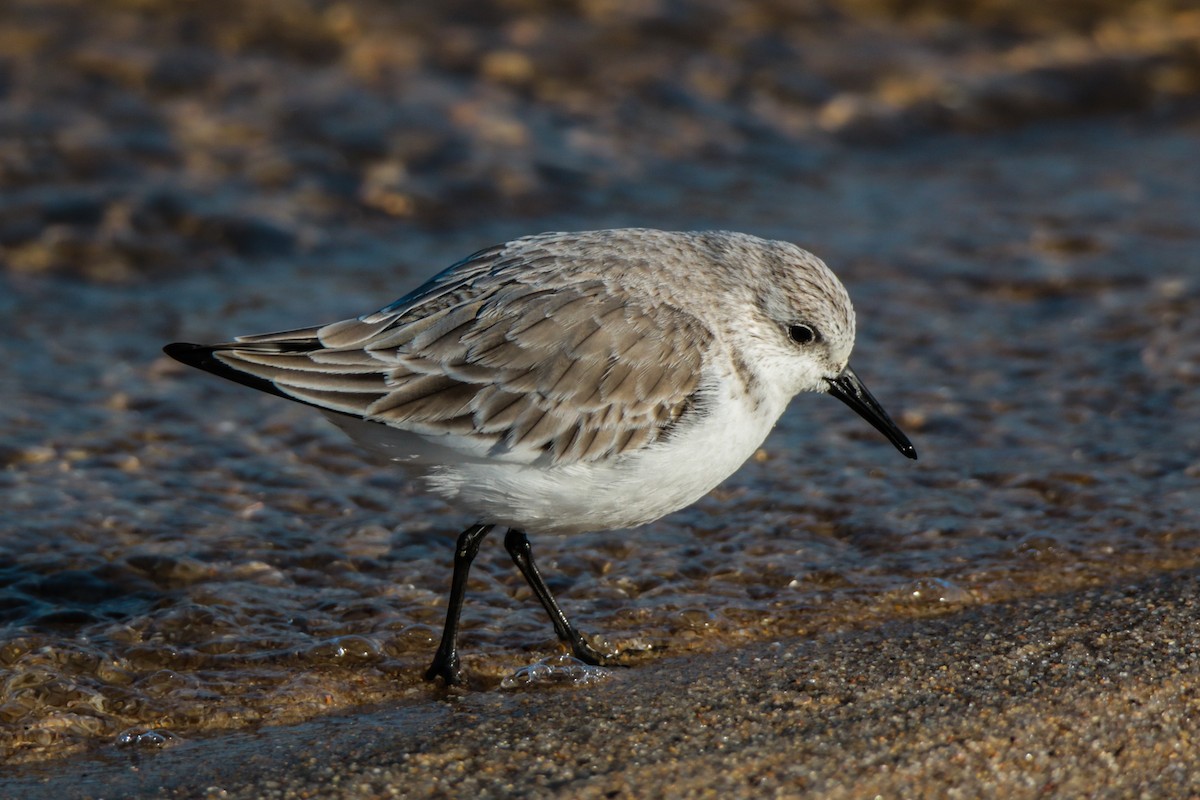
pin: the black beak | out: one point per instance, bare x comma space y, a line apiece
850, 390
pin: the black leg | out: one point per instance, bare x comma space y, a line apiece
445, 663
517, 545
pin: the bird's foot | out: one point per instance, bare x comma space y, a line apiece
446, 667
584, 651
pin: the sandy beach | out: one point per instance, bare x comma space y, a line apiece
1091, 693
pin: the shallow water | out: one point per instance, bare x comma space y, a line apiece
178, 554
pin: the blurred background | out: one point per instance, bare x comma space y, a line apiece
142, 138
1008, 188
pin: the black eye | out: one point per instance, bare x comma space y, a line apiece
801, 334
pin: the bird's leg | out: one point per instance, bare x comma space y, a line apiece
445, 662
517, 545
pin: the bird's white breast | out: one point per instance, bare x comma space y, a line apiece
629, 490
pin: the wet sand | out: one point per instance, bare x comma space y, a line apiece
1092, 693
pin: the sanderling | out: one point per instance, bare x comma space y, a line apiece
571, 382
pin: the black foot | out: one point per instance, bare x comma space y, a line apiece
517, 545
445, 664
445, 667
585, 652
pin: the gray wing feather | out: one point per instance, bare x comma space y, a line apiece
575, 372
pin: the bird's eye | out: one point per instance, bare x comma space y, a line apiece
801, 334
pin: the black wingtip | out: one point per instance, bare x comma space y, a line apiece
191, 354
201, 356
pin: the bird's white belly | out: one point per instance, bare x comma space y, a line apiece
629, 490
